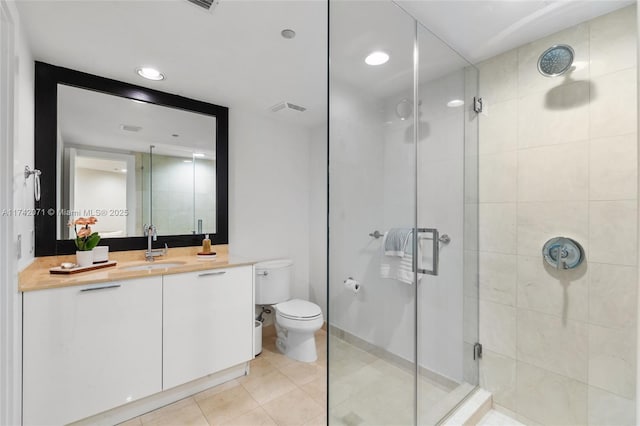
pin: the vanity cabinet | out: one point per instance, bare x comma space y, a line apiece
90, 348
207, 323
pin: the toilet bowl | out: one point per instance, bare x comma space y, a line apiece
296, 324
296, 320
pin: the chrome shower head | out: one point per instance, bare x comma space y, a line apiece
556, 60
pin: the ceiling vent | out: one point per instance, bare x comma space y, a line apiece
205, 4
130, 128
287, 105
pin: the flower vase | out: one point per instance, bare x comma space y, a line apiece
84, 258
100, 254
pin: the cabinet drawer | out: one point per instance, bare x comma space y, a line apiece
207, 323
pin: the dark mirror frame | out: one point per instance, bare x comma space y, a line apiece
47, 78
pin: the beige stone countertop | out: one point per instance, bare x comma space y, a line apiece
37, 276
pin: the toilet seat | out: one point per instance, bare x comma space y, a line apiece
299, 310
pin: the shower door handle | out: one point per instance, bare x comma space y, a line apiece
435, 240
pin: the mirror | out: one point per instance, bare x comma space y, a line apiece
116, 151
130, 156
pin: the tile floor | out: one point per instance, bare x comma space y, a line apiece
278, 391
365, 390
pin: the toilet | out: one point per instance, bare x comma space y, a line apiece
296, 320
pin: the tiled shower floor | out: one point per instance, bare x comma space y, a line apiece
367, 390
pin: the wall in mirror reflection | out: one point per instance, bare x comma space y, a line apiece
182, 198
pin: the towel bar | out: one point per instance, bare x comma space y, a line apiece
444, 238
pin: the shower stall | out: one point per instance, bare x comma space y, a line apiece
403, 132
483, 218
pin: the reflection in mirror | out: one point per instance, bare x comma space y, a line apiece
95, 181
182, 197
104, 152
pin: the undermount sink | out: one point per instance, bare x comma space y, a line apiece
152, 266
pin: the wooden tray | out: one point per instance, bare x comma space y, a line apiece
206, 256
59, 270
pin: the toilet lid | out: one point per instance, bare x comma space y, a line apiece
297, 308
273, 264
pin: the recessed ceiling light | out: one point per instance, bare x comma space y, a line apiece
377, 58
198, 154
455, 103
150, 73
288, 33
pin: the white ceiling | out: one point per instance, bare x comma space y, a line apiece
101, 164
480, 29
389, 29
235, 56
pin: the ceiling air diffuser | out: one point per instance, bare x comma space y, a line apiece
205, 4
287, 105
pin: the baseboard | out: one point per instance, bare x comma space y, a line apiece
437, 379
153, 402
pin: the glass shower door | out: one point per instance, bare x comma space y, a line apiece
403, 308
447, 301
372, 181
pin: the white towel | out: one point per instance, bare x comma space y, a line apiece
399, 266
395, 242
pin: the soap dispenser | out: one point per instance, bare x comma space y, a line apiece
206, 245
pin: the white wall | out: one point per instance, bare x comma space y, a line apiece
371, 188
23, 147
97, 190
441, 171
22, 198
372, 175
318, 217
355, 202
269, 192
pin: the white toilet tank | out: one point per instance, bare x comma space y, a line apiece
273, 281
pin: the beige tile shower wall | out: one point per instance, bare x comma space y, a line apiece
558, 157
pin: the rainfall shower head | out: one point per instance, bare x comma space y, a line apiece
556, 60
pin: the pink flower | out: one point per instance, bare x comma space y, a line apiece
84, 232
84, 221
81, 221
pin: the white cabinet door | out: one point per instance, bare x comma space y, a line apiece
207, 323
90, 348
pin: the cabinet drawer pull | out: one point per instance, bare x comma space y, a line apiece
100, 288
209, 274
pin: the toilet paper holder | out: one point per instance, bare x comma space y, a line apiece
353, 285
563, 253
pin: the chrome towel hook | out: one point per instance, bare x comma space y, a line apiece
36, 184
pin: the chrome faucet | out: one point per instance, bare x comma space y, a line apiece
151, 233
